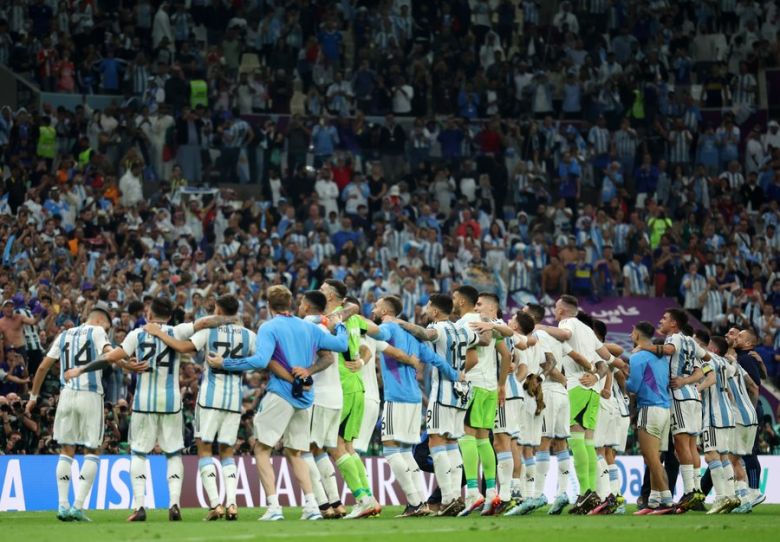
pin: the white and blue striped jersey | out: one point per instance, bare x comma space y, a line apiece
219, 389
620, 398
686, 359
79, 346
452, 343
520, 275
636, 276
157, 389
742, 406
716, 404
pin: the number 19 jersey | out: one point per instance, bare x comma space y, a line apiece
452, 343
76, 347
157, 389
219, 389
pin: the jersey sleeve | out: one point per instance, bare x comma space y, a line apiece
130, 344
54, 349
252, 342
472, 338
183, 331
700, 353
381, 346
199, 339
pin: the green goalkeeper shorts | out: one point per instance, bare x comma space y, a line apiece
352, 415
481, 413
584, 405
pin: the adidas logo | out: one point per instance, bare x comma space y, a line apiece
212, 475
81, 477
174, 477
231, 476
64, 478
141, 477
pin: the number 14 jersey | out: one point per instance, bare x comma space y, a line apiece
157, 389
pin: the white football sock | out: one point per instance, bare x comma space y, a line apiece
138, 480
86, 478
442, 470
208, 476
63, 480
401, 472
602, 482
687, 477
564, 462
230, 474
316, 479
505, 466
416, 473
328, 476
614, 479
542, 468
175, 479
456, 470
728, 478
530, 478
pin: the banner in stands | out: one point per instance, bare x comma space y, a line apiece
28, 482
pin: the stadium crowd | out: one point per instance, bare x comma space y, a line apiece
400, 147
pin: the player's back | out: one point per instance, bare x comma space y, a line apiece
685, 360
584, 341
79, 346
716, 404
452, 343
400, 380
558, 349
219, 389
157, 389
485, 373
742, 405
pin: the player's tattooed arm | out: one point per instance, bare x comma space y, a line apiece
214, 320
709, 380
418, 332
276, 368
325, 359
580, 360
183, 346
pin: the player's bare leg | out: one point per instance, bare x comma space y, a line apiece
685, 448
265, 472
230, 477
660, 497
301, 471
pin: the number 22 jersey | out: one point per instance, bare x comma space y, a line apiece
157, 389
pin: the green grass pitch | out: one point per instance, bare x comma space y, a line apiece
762, 525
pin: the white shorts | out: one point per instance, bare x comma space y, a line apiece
444, 420
530, 430
605, 433
276, 419
401, 422
621, 428
556, 413
508, 417
367, 426
148, 429
744, 437
78, 420
686, 417
324, 427
215, 425
656, 422
717, 439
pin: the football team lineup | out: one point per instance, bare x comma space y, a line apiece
505, 402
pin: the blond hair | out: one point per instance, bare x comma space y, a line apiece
279, 298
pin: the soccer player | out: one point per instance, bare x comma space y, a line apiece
608, 427
648, 380
284, 412
446, 404
718, 425
78, 420
532, 368
347, 426
403, 399
218, 408
157, 416
582, 383
744, 393
685, 359
488, 382
555, 416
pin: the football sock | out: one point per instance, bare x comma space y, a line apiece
666, 498
654, 500
697, 479
602, 484
716, 472
348, 471
414, 470
86, 478
63, 480
542, 468
686, 471
456, 469
530, 477
564, 466
316, 480
401, 472
580, 453
175, 478
488, 459
328, 476
728, 478
442, 469
362, 473
614, 479
230, 474
593, 465
468, 449
138, 477
504, 471
208, 476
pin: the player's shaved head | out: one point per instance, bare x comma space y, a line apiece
228, 304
